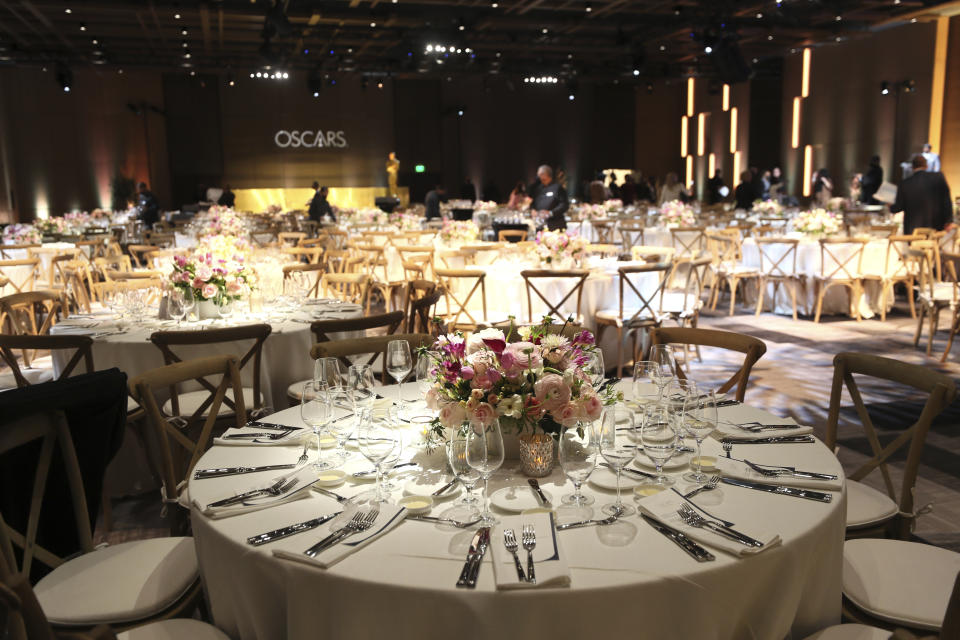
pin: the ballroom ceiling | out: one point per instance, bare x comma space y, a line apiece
596, 40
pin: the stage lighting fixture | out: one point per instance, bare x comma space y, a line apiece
884, 88
64, 77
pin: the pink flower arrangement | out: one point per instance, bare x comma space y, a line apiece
220, 221
559, 246
21, 234
535, 384
459, 231
677, 214
210, 277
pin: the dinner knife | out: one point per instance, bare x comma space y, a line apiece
642, 474
796, 492
770, 440
444, 488
536, 487
257, 436
364, 474
696, 551
775, 470
284, 532
471, 555
272, 426
475, 570
200, 474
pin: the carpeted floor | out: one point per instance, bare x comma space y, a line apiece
793, 378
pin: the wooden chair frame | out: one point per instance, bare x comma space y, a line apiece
323, 328
630, 233
840, 273
30, 313
951, 265
531, 275
313, 271
82, 344
692, 247
374, 345
448, 277
25, 284
350, 287
506, 235
725, 248
604, 230
6, 250
776, 273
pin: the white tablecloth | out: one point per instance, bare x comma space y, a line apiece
627, 580
46, 252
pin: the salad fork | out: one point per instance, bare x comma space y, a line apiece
710, 485
277, 488
529, 538
510, 542
694, 519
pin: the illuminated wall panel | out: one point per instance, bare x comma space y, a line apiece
805, 78
795, 129
807, 173
733, 130
701, 133
684, 123
690, 88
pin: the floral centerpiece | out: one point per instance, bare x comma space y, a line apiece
51, 226
614, 204
838, 204
274, 209
221, 221
367, 215
224, 247
677, 214
459, 231
817, 221
559, 248
485, 205
592, 211
405, 221
768, 208
211, 279
21, 234
536, 385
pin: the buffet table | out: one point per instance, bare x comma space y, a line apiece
626, 579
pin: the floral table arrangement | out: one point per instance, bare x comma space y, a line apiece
405, 221
221, 221
818, 222
211, 280
488, 206
591, 211
559, 249
537, 385
613, 205
459, 232
365, 216
677, 214
767, 208
21, 234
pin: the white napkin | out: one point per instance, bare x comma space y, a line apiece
549, 561
733, 468
305, 476
663, 507
390, 516
294, 437
733, 415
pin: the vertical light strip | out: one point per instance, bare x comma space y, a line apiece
736, 168
807, 174
683, 136
733, 130
690, 88
805, 79
689, 171
726, 97
701, 133
795, 130
939, 82
711, 165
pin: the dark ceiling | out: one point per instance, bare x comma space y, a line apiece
599, 40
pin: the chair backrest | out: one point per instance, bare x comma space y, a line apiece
571, 279
604, 230
307, 255
139, 253
941, 391
163, 239
421, 307
895, 262
606, 250
841, 258
49, 431
631, 234
692, 275
459, 287
652, 254
723, 248
113, 263
648, 307
21, 274
882, 230
323, 328
258, 333
30, 313
290, 238
82, 344
374, 346
181, 445
312, 272
752, 348
349, 287
467, 256
16, 251
22, 617
689, 241
511, 235
778, 257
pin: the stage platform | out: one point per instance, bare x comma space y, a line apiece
299, 198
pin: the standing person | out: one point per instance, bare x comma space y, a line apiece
613, 187
671, 189
933, 159
393, 169
744, 192
776, 183
822, 187
227, 198
319, 206
645, 189
551, 199
924, 198
871, 181
433, 200
628, 192
148, 206
598, 192
518, 197
468, 191
714, 185
757, 181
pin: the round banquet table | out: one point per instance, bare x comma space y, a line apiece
627, 580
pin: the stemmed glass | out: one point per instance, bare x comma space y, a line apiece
342, 428
647, 382
578, 450
699, 420
662, 356
224, 308
425, 379
376, 439
485, 454
593, 367
399, 364
175, 305
617, 449
315, 410
361, 383
467, 475
327, 372
189, 302
659, 439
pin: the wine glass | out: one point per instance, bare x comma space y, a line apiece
342, 428
646, 382
593, 367
175, 308
224, 308
376, 439
399, 364
189, 302
467, 475
327, 371
699, 420
315, 412
659, 439
617, 449
578, 450
662, 356
485, 454
426, 377
361, 383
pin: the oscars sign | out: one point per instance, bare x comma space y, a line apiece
310, 139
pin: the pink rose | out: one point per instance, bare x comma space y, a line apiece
197, 283
568, 416
452, 415
209, 291
204, 272
520, 356
432, 398
552, 392
591, 407
466, 373
484, 413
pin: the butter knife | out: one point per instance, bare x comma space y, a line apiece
200, 474
257, 436
696, 551
536, 487
770, 440
475, 570
471, 555
819, 496
364, 474
444, 488
284, 532
272, 426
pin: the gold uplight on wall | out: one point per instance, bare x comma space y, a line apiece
684, 123
736, 168
701, 133
795, 130
807, 173
726, 97
690, 88
711, 165
689, 180
733, 130
805, 77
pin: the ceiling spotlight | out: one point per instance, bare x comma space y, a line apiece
759, 16
259, 75
838, 18
636, 72
187, 54
184, 44
231, 83
769, 37
83, 27
316, 94
68, 10
120, 71
460, 112
183, 31
544, 30
884, 88
663, 47
373, 25
708, 49
64, 76
838, 38
95, 41
570, 97
588, 8
176, 16
494, 4
380, 85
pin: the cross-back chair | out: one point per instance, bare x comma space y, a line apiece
752, 348
897, 268
604, 230
140, 253
21, 274
349, 287
603, 250
882, 230
681, 302
457, 258
570, 280
16, 251
459, 288
290, 238
31, 313
312, 272
778, 266
162, 240
82, 345
511, 235
689, 242
631, 234
727, 267
304, 255
422, 299
841, 261
373, 346
951, 267
649, 253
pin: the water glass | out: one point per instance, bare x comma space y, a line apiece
659, 439
360, 381
699, 421
189, 302
376, 439
593, 367
485, 454
341, 428
577, 450
399, 364
327, 371
315, 411
662, 356
224, 308
647, 382
175, 305
467, 475
618, 449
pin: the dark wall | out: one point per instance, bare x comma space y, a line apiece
194, 139
766, 102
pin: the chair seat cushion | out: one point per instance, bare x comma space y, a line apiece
851, 632
178, 629
677, 303
191, 401
866, 506
904, 583
612, 316
120, 583
33, 376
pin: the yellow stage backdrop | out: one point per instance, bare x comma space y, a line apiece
258, 200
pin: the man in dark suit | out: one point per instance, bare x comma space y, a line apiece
148, 206
227, 198
319, 207
551, 198
433, 200
924, 198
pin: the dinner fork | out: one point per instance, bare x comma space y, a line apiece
529, 538
694, 519
277, 488
360, 522
303, 456
510, 542
709, 486
727, 448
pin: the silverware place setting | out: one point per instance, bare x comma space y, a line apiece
361, 521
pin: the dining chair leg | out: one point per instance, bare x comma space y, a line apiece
733, 282
856, 294
934, 322
883, 301
818, 294
953, 331
913, 311
919, 331
761, 287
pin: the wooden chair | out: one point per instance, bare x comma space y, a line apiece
55, 275
82, 345
375, 346
312, 272
421, 309
631, 234
139, 253
290, 238
752, 348
571, 280
652, 254
951, 266
162, 240
198, 403
882, 230
681, 302
841, 261
16, 251
458, 258
29, 314
766, 231
870, 512
604, 230
459, 287
897, 269
304, 255
21, 274
113, 589
113, 263
603, 250
511, 235
689, 242
417, 254
634, 318
778, 265
933, 295
349, 287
